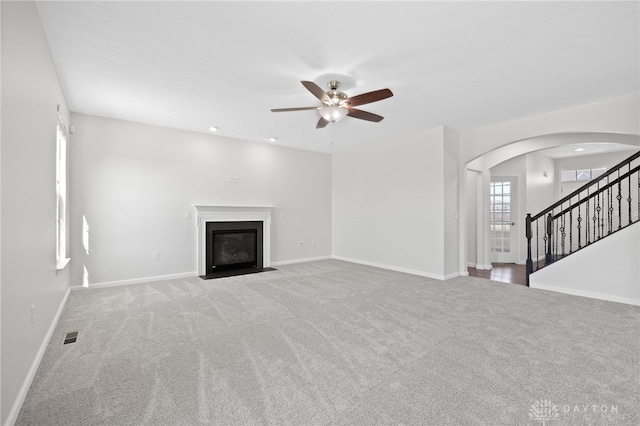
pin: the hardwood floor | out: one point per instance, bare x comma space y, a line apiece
503, 272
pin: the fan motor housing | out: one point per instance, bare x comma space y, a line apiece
336, 96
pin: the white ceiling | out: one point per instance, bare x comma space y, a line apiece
582, 149
191, 65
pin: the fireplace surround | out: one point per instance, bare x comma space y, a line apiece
233, 240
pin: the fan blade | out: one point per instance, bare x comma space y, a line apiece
316, 90
322, 123
293, 109
367, 98
364, 115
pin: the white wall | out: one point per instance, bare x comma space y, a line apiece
389, 206
616, 116
607, 270
30, 93
541, 182
451, 190
133, 183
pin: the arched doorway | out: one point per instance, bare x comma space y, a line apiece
479, 238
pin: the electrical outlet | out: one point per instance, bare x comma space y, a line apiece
33, 312
187, 214
156, 255
313, 242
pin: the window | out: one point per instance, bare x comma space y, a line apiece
62, 258
582, 175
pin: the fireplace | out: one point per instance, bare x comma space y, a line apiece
233, 240
233, 246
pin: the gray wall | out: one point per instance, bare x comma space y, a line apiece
30, 93
133, 183
389, 204
608, 270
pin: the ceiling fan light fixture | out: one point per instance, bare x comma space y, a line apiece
337, 105
333, 113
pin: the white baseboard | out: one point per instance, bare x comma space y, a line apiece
589, 294
484, 267
308, 259
137, 280
471, 265
377, 265
395, 268
24, 389
181, 275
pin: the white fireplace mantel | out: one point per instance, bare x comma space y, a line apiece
206, 214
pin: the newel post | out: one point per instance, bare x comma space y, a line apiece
529, 234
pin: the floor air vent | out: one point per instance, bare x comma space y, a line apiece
70, 337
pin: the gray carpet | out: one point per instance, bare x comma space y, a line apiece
330, 342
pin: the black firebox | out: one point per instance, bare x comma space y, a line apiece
233, 248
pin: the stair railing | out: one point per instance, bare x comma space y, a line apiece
599, 208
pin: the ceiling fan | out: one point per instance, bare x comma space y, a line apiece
336, 105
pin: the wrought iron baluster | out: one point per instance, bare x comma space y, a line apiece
630, 220
600, 225
528, 235
587, 240
595, 219
548, 238
555, 241
610, 210
570, 229
579, 227
563, 233
537, 246
619, 198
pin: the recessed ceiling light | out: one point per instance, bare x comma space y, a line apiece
579, 149
273, 139
213, 128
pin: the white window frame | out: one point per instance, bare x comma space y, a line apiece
593, 174
62, 209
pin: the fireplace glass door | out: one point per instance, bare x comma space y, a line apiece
234, 249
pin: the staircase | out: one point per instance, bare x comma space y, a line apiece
601, 207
